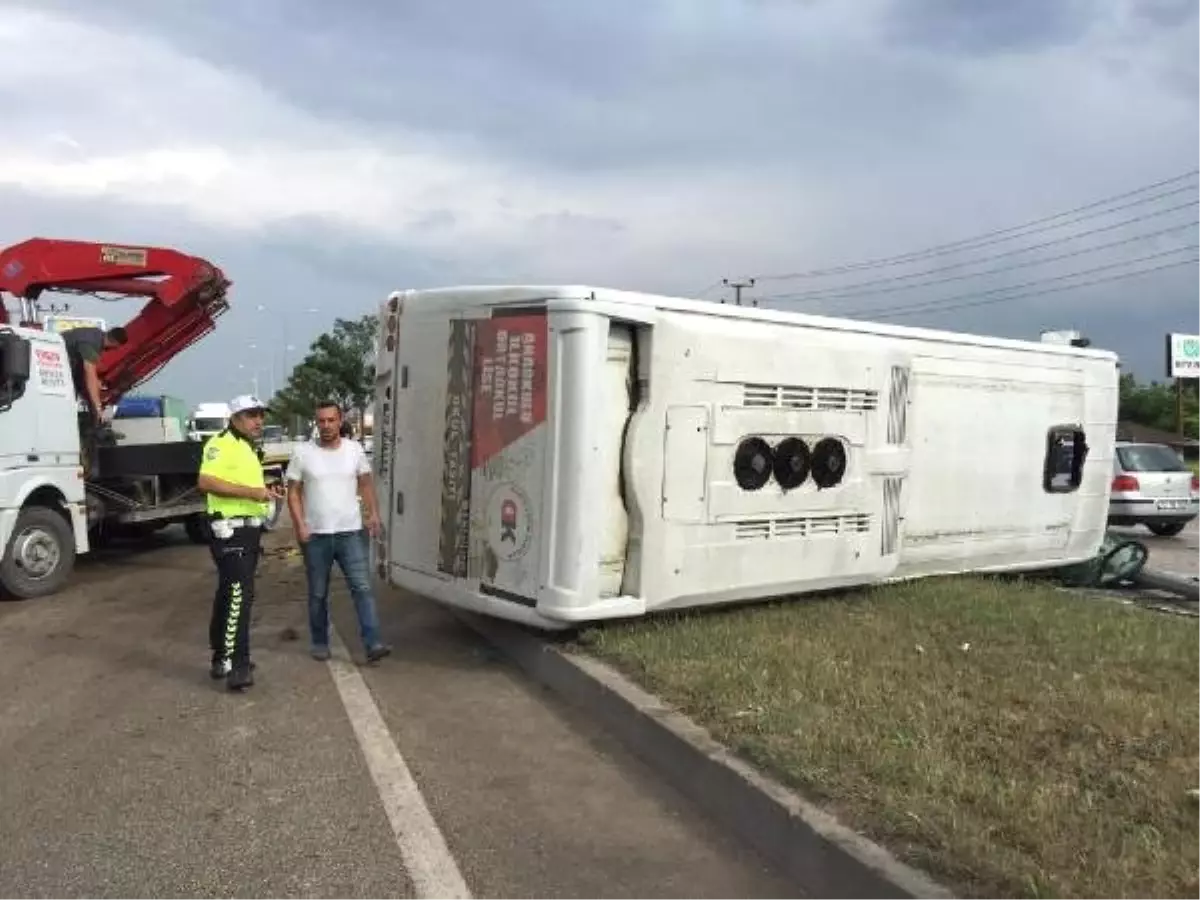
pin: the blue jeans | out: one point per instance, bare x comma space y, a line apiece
350, 550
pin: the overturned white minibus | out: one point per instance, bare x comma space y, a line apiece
558, 455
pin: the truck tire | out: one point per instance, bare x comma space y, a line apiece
40, 554
1167, 529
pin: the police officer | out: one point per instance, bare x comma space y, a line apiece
231, 475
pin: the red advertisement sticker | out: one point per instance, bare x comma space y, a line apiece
509, 382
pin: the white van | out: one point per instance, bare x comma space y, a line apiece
557, 455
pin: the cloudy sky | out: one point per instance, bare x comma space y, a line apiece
324, 158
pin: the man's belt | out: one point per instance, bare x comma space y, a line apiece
242, 521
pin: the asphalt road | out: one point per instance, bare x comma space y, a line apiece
124, 771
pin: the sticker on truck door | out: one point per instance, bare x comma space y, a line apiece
51, 367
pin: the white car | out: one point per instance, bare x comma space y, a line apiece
1152, 486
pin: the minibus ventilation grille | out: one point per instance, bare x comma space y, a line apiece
897, 424
890, 530
802, 526
788, 396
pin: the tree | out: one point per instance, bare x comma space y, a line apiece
340, 366
1153, 404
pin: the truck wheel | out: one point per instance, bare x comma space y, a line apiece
197, 529
40, 554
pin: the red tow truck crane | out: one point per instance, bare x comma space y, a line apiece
48, 512
186, 295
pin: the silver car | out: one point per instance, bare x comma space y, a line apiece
1152, 486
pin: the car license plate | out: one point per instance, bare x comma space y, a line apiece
1172, 504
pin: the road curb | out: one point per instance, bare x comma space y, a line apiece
823, 857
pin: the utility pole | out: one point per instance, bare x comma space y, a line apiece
737, 288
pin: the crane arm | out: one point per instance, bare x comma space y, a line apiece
185, 293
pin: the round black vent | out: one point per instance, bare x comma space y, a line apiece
792, 461
752, 464
828, 462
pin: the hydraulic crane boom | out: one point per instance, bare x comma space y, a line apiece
186, 294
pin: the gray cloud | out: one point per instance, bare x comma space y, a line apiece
969, 27
827, 132
594, 86
1167, 13
583, 86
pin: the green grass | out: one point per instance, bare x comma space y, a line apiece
1009, 738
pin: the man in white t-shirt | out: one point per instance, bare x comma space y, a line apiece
329, 483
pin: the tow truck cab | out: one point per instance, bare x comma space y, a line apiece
206, 420
43, 514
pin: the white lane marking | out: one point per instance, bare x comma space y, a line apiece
430, 864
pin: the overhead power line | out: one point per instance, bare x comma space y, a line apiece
946, 303
716, 284
843, 294
900, 312
1002, 235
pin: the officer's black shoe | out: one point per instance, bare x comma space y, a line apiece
240, 678
221, 667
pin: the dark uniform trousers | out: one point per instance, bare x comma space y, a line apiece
237, 560
89, 446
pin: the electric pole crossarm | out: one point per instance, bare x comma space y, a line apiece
738, 287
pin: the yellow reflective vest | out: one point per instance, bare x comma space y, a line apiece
232, 458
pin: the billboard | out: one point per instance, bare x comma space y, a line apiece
1183, 355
